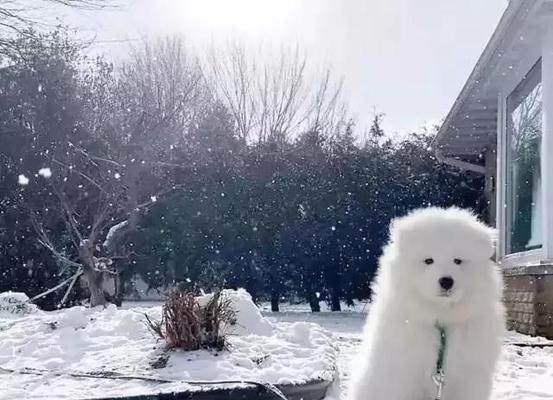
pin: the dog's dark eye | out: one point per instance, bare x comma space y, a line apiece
457, 261
429, 261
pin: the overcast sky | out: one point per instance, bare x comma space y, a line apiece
407, 58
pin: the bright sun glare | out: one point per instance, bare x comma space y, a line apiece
248, 15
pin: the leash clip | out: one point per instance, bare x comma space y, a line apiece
438, 379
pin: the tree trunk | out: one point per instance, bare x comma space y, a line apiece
94, 281
335, 302
314, 303
119, 291
274, 302
93, 277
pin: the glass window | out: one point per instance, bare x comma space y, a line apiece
524, 133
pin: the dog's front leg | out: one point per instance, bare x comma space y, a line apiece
471, 357
395, 366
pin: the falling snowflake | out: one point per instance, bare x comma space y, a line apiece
45, 172
333, 228
22, 180
117, 175
153, 199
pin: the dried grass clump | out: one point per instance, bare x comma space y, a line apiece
187, 326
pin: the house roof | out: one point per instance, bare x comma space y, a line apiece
471, 125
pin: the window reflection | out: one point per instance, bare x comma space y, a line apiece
524, 132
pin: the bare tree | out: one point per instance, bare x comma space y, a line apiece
282, 96
160, 94
18, 17
327, 111
275, 97
233, 78
88, 199
136, 115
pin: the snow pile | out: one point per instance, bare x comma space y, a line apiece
114, 340
15, 304
248, 316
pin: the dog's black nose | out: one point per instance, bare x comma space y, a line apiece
446, 282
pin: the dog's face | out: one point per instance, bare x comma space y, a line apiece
443, 255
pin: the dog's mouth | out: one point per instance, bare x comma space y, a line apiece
449, 296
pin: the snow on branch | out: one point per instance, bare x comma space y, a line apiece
114, 233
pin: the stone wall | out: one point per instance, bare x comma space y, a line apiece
544, 305
528, 298
519, 298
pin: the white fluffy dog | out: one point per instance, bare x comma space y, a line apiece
434, 273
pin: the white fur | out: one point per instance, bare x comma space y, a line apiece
401, 341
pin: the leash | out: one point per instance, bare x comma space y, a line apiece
439, 375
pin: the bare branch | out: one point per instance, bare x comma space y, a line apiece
74, 279
83, 175
58, 286
45, 241
279, 99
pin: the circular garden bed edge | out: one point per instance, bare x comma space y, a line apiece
313, 390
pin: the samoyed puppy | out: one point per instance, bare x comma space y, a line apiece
435, 275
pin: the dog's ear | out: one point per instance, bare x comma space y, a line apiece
393, 228
398, 228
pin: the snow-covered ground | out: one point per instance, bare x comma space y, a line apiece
111, 340
525, 373
297, 342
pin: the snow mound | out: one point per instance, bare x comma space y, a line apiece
248, 317
15, 304
111, 340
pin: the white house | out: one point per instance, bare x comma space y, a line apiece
501, 125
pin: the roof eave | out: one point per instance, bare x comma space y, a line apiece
505, 24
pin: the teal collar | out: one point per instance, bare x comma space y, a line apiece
441, 350
439, 374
